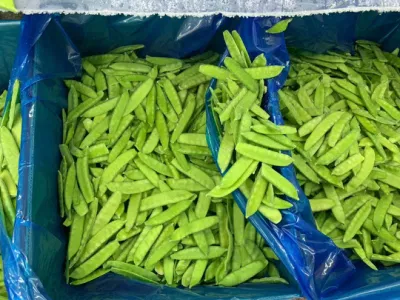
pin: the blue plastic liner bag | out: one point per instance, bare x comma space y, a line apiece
50, 50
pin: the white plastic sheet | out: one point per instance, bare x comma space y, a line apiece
205, 7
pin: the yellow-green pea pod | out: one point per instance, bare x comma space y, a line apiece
366, 168
95, 261
96, 274
347, 165
342, 146
263, 155
280, 26
243, 274
357, 222
164, 198
323, 127
381, 210
194, 253
219, 192
272, 214
321, 204
264, 72
257, 193
106, 212
279, 181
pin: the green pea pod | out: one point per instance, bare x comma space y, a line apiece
279, 27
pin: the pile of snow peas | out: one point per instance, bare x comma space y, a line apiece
250, 142
346, 109
137, 182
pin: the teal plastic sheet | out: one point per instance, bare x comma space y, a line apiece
9, 32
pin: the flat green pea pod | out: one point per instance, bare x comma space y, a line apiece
272, 214
381, 210
198, 272
172, 95
357, 222
172, 212
337, 129
257, 193
279, 27
194, 253
305, 169
337, 210
138, 96
144, 247
150, 174
95, 133
124, 234
243, 274
323, 127
321, 204
131, 187
135, 271
95, 261
325, 174
264, 72
187, 276
225, 151
83, 176
100, 238
160, 252
215, 72
267, 141
390, 109
84, 106
96, 274
106, 212
347, 165
263, 155
342, 146
164, 198
306, 102
308, 127
162, 130
235, 172
279, 181
196, 174
225, 114
219, 192
76, 233
10, 151
115, 167
241, 74
366, 168
233, 47
211, 270
193, 227
169, 269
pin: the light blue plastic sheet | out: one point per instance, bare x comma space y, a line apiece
50, 50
